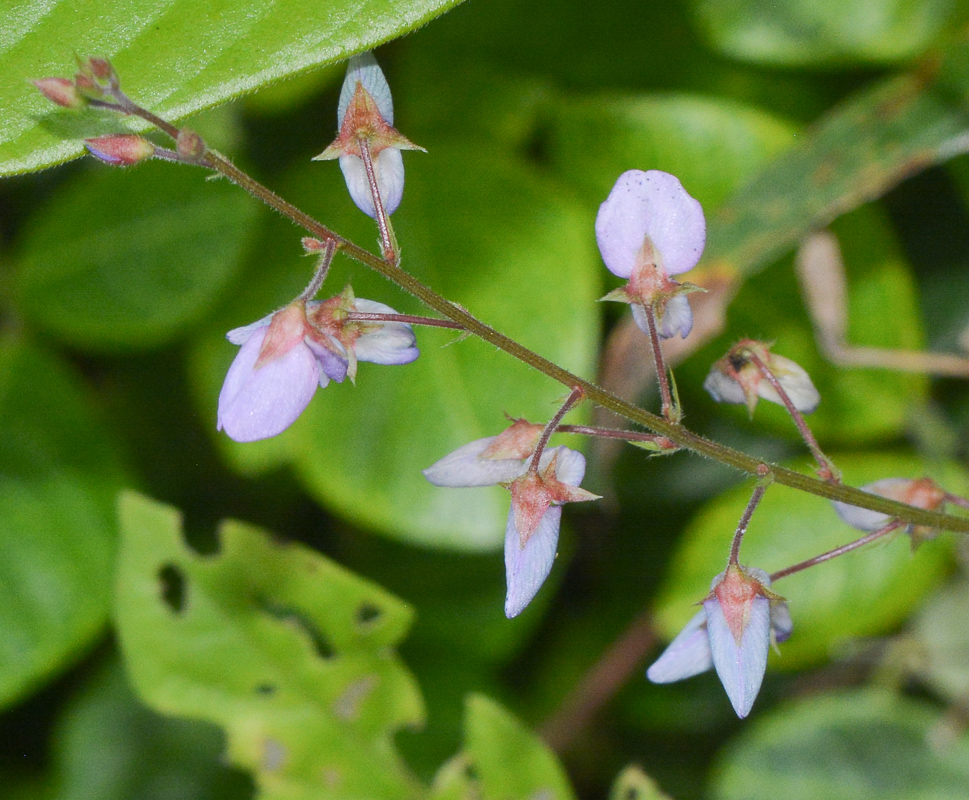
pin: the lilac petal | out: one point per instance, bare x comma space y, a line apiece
724, 389
363, 68
687, 655
389, 168
653, 204
569, 464
256, 403
241, 335
464, 467
862, 518
677, 319
393, 343
741, 669
795, 381
526, 568
780, 621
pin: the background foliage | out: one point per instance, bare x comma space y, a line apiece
144, 655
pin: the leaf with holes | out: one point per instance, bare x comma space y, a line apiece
286, 651
177, 56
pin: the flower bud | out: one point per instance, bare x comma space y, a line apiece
921, 493
120, 150
60, 91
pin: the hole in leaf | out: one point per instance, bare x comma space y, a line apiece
632, 793
293, 616
172, 582
266, 689
367, 614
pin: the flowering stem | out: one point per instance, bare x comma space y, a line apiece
616, 433
826, 470
669, 412
387, 238
574, 397
410, 319
838, 551
738, 536
674, 431
322, 268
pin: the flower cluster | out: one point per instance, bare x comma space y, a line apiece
286, 355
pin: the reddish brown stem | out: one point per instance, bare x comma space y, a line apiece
838, 551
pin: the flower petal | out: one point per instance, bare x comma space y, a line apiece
676, 319
653, 204
526, 568
687, 655
241, 335
464, 468
794, 380
569, 464
389, 168
392, 343
259, 403
862, 518
723, 389
740, 667
363, 68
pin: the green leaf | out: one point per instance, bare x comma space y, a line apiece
506, 243
59, 471
509, 761
941, 641
863, 593
822, 32
285, 650
172, 57
712, 146
110, 747
845, 746
634, 784
125, 260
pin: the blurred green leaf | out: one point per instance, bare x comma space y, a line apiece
506, 243
941, 639
822, 32
634, 784
59, 470
110, 747
126, 260
507, 759
845, 746
712, 145
286, 651
860, 594
173, 57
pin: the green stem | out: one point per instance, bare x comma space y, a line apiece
672, 430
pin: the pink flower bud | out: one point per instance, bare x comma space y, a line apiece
120, 150
60, 91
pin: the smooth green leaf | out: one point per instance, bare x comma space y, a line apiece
712, 146
634, 784
845, 746
285, 650
125, 260
59, 470
173, 56
822, 32
110, 747
491, 234
509, 761
863, 593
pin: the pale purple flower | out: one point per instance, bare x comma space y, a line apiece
736, 379
284, 357
649, 229
366, 113
532, 530
921, 493
732, 632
